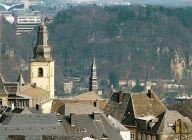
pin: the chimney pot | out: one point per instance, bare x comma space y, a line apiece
37, 107
72, 119
120, 96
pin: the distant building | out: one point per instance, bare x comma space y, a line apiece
68, 86
26, 21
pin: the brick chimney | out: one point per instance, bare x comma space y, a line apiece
120, 96
72, 119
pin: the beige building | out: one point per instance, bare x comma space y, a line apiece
68, 86
42, 64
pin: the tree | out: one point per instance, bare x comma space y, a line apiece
114, 79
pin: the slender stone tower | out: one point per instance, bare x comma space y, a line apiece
93, 85
42, 64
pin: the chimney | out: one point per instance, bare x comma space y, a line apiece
120, 96
72, 119
34, 85
96, 104
37, 107
149, 94
96, 116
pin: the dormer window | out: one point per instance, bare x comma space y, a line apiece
40, 72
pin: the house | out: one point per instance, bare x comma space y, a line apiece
90, 126
143, 114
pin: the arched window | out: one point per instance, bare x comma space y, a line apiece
153, 138
148, 137
40, 72
139, 136
143, 136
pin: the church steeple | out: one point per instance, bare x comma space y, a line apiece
42, 52
20, 79
42, 65
93, 85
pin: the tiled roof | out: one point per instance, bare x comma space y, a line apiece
32, 125
88, 96
30, 91
59, 102
116, 109
147, 106
77, 108
88, 127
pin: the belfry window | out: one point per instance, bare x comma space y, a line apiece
40, 72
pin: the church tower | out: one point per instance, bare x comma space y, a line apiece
42, 64
93, 85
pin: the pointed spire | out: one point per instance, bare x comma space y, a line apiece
93, 62
93, 85
20, 79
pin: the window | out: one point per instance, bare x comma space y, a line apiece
148, 137
40, 72
153, 138
143, 136
139, 136
132, 135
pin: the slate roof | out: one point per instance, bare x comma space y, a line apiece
137, 89
11, 87
45, 137
32, 125
29, 110
88, 127
88, 96
133, 106
4, 109
169, 118
59, 102
117, 124
30, 91
77, 108
116, 109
